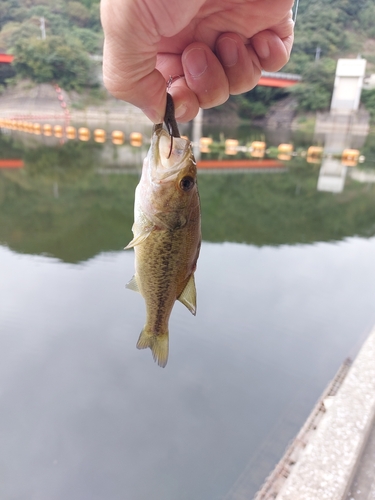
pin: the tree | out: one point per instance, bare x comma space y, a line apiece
368, 99
256, 102
78, 13
314, 93
54, 59
91, 41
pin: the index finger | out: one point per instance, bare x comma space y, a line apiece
129, 62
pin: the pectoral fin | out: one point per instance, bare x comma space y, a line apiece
188, 296
140, 238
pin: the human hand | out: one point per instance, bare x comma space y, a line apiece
218, 47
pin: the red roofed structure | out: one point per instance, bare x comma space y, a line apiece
11, 163
278, 79
6, 58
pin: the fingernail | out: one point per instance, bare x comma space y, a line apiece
196, 62
262, 48
180, 111
228, 51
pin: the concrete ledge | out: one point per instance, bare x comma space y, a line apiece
326, 467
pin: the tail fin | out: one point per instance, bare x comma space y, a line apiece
159, 345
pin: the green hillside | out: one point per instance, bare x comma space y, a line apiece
72, 33
325, 30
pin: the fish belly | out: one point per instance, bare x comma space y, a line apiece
163, 268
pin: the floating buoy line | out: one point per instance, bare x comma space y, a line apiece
230, 147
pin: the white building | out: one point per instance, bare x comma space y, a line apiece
348, 85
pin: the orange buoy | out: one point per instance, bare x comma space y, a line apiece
314, 154
205, 141
118, 137
204, 144
285, 148
258, 149
47, 129
70, 132
284, 156
136, 139
37, 128
57, 131
284, 152
231, 146
99, 135
350, 157
84, 134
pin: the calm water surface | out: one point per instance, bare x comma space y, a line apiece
286, 287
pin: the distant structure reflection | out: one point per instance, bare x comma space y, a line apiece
345, 127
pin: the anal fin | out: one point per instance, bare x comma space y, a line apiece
188, 297
133, 284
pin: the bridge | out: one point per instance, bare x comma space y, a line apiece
267, 79
278, 79
11, 163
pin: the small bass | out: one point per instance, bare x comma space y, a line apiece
167, 233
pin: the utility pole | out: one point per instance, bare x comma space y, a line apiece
43, 28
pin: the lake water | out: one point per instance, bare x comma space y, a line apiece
286, 292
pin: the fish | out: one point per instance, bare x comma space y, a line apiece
167, 233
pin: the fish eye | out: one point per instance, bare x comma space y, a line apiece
186, 183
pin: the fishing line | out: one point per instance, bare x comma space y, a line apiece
295, 11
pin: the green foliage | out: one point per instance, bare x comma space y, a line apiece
366, 19
78, 13
73, 32
326, 29
256, 102
91, 41
53, 59
13, 32
316, 90
368, 99
6, 72
327, 24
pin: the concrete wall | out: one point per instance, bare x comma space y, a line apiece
348, 84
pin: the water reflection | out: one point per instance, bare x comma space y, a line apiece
342, 133
84, 413
332, 175
285, 293
70, 202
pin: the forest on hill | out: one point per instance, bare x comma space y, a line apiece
325, 30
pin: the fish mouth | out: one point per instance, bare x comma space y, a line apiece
169, 154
